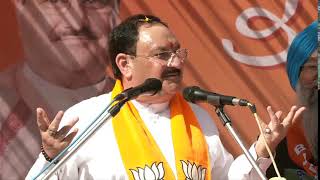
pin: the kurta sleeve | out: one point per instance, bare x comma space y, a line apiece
242, 169
223, 165
67, 171
69, 168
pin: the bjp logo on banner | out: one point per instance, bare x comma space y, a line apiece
243, 28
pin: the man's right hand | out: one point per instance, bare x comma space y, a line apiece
54, 140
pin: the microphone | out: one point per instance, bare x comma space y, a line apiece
194, 93
150, 85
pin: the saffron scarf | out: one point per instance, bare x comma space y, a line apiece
299, 151
139, 152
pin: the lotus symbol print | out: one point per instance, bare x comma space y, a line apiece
155, 172
192, 171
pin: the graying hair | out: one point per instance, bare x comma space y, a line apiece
309, 98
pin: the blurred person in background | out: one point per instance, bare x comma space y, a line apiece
65, 61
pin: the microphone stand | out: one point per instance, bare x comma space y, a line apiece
98, 122
227, 123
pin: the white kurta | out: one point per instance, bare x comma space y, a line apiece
99, 158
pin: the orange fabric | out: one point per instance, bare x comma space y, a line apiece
299, 151
139, 149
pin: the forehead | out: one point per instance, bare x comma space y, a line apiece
313, 57
156, 37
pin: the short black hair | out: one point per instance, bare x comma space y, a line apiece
124, 37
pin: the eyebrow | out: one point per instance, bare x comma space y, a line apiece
312, 58
166, 48
40, 1
311, 63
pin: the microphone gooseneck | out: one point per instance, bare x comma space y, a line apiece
149, 85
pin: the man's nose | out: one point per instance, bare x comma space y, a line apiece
175, 61
76, 16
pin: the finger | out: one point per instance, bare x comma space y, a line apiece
278, 114
41, 120
298, 114
289, 118
274, 121
45, 116
56, 121
64, 130
70, 136
293, 115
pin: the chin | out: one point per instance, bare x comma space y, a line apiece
166, 94
171, 87
160, 97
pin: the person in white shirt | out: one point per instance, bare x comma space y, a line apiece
157, 136
65, 60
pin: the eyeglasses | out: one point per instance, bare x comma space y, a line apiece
168, 56
309, 68
308, 74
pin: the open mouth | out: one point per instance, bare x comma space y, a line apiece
70, 34
171, 72
72, 37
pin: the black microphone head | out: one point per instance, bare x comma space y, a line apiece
152, 84
188, 93
149, 85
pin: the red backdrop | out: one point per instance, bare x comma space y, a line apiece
259, 33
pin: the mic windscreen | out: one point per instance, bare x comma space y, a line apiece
188, 93
152, 84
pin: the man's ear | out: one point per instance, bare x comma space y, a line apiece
18, 2
124, 65
20, 6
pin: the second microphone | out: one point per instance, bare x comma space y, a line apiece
194, 94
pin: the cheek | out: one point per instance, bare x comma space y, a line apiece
308, 79
147, 69
31, 20
48, 16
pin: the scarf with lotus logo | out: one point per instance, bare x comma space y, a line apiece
141, 155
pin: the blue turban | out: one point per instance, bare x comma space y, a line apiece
303, 45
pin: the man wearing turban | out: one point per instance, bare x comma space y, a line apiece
302, 138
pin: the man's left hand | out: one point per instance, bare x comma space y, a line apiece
277, 129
